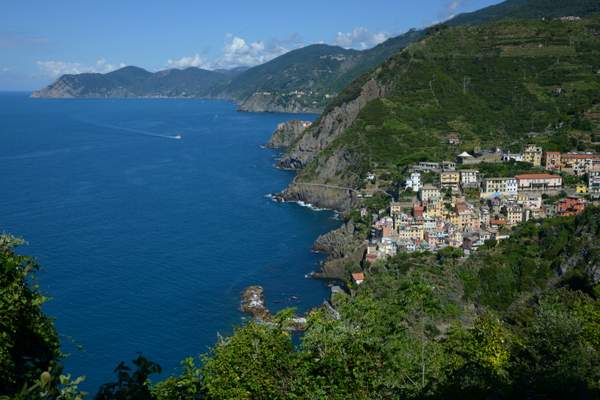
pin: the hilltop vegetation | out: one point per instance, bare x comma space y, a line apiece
491, 84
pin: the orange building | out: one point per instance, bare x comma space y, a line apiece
552, 160
570, 207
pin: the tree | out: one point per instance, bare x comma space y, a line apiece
130, 386
256, 362
29, 343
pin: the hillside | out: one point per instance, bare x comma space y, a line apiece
491, 84
303, 80
137, 82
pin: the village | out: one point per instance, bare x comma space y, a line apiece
463, 208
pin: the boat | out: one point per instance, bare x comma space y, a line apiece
178, 137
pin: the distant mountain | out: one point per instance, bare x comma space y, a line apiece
137, 82
303, 80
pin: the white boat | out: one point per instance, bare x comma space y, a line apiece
178, 137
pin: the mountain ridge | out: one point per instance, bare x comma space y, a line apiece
309, 78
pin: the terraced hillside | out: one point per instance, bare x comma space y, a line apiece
491, 84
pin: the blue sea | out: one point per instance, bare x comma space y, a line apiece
146, 241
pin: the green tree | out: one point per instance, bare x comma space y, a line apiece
256, 362
29, 343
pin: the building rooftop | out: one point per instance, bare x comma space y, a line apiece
537, 176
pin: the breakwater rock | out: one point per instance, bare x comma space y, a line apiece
253, 302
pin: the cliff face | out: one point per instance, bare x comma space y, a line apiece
344, 249
330, 127
268, 102
325, 182
287, 133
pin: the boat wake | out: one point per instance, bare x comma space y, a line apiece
131, 130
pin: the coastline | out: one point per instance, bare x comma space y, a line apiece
340, 245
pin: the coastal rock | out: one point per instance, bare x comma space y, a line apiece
322, 196
253, 302
327, 184
287, 133
344, 248
337, 243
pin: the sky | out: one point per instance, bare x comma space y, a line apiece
41, 40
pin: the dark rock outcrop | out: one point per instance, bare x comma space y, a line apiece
253, 302
344, 248
287, 133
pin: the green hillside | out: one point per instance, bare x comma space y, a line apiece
529, 9
491, 84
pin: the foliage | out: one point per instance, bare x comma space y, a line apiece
28, 340
256, 362
187, 386
130, 386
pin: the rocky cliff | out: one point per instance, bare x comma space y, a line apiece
329, 127
324, 181
271, 102
345, 249
287, 133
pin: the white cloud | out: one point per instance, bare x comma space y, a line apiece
360, 38
58, 68
186, 62
239, 52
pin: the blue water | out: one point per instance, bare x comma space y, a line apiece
145, 241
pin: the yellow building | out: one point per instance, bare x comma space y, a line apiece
450, 179
533, 154
582, 189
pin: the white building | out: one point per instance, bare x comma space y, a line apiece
594, 183
499, 187
414, 182
469, 177
430, 193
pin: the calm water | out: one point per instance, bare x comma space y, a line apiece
146, 242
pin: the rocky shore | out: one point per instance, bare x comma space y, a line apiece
342, 245
344, 249
253, 302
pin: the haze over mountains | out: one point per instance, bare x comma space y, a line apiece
303, 80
